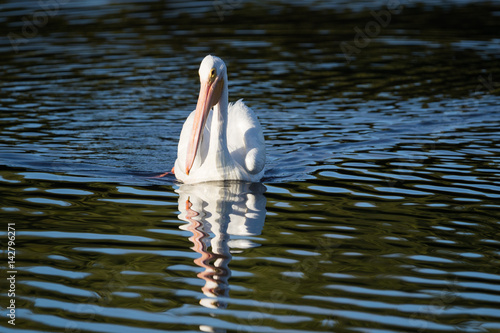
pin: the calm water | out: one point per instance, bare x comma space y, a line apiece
379, 211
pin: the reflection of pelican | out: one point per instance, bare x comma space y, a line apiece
223, 144
216, 212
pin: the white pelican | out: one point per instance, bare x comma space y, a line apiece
219, 141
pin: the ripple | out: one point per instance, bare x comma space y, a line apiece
46, 201
69, 191
46, 270
139, 202
92, 236
122, 251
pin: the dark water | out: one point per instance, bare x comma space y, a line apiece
379, 211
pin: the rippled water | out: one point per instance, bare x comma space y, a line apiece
379, 211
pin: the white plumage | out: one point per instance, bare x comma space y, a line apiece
219, 141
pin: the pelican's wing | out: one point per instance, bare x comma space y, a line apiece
245, 138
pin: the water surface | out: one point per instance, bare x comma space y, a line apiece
379, 210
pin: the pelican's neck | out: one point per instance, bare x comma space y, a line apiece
218, 129
219, 119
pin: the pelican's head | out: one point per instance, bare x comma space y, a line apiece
211, 67
212, 76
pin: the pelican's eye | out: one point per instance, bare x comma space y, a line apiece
212, 74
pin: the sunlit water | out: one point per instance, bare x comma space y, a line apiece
379, 210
